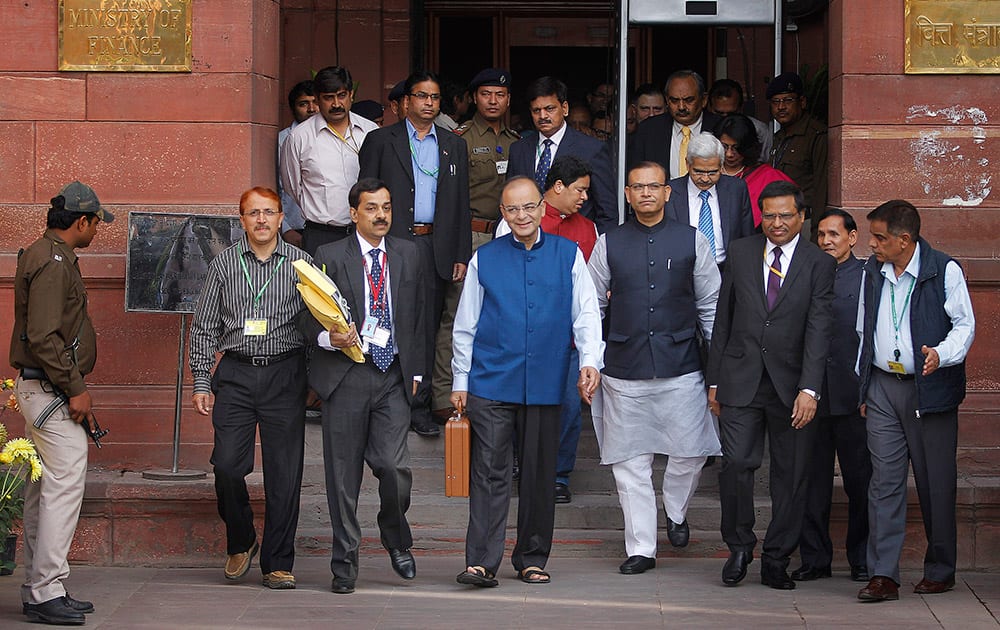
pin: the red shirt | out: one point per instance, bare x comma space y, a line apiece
575, 227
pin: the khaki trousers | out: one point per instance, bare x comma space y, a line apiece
52, 504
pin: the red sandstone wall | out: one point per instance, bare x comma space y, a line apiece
171, 142
927, 139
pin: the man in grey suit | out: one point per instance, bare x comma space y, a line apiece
366, 405
426, 169
717, 206
765, 371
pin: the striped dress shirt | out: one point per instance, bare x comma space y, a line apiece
227, 301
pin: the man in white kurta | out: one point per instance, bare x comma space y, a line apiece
664, 285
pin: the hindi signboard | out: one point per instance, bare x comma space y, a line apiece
961, 37
125, 35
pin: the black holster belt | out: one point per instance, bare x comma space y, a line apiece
264, 360
33, 374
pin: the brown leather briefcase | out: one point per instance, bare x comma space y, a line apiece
457, 438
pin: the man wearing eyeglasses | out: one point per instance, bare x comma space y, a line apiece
319, 160
534, 153
664, 285
665, 139
800, 146
527, 298
766, 367
247, 312
426, 169
717, 206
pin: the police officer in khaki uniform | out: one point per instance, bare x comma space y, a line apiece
54, 347
488, 140
800, 146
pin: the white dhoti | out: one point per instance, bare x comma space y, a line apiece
635, 420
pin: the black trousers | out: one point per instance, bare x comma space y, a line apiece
847, 438
316, 234
742, 431
272, 398
366, 420
495, 427
435, 288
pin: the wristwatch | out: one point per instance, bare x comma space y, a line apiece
814, 395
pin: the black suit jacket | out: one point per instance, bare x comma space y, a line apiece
651, 140
734, 206
386, 155
790, 342
601, 206
344, 264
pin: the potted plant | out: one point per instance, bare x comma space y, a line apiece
18, 462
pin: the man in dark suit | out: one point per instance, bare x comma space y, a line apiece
719, 207
427, 172
765, 371
366, 405
664, 139
533, 154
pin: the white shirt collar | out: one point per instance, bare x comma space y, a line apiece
366, 247
556, 138
786, 250
695, 127
912, 267
694, 191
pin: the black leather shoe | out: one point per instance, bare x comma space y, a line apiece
636, 565
75, 604
563, 495
425, 429
859, 573
776, 578
342, 586
807, 573
54, 612
678, 535
403, 563
736, 567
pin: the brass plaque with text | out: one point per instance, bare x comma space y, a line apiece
125, 35
955, 37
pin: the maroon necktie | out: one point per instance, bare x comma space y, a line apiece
773, 279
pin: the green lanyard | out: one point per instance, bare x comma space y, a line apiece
420, 166
246, 274
895, 320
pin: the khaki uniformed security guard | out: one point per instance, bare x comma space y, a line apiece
54, 347
488, 140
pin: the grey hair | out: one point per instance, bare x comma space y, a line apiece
705, 146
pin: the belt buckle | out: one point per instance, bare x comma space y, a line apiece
259, 361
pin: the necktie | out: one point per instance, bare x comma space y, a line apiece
773, 279
682, 153
544, 162
705, 220
378, 306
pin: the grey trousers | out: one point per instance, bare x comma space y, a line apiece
495, 426
51, 504
366, 420
897, 438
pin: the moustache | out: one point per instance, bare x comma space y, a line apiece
337, 110
380, 223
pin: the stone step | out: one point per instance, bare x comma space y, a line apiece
587, 512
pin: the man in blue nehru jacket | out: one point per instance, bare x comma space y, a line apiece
527, 295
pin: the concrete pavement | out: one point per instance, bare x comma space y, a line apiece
584, 593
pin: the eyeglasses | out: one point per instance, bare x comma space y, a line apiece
654, 187
785, 100
423, 96
256, 212
784, 216
527, 208
698, 171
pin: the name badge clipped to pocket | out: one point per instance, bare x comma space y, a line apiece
255, 327
502, 167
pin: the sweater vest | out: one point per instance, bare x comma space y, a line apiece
521, 350
944, 389
652, 316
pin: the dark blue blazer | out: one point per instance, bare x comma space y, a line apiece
601, 206
734, 206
